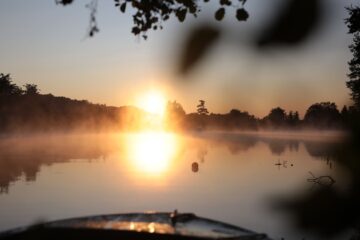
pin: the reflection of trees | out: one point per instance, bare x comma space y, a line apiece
201, 153
320, 149
12, 167
24, 157
277, 147
240, 145
234, 142
294, 145
237, 143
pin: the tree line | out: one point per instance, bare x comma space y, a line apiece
321, 116
25, 109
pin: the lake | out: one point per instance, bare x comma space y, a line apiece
231, 177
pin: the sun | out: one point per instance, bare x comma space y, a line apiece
152, 152
153, 102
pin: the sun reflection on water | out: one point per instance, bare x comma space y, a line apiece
152, 152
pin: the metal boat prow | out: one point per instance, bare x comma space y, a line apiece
153, 225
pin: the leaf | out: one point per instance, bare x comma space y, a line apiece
64, 2
135, 30
225, 2
197, 44
181, 14
219, 14
123, 7
242, 15
296, 21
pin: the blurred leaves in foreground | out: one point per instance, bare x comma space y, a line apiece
198, 44
151, 14
292, 25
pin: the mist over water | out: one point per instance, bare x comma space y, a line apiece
237, 177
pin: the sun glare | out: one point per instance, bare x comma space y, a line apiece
153, 102
152, 152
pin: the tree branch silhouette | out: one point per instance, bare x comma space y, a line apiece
150, 14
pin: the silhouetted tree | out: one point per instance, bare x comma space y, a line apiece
344, 114
296, 116
22, 111
344, 111
201, 109
290, 116
237, 119
175, 108
175, 114
31, 89
322, 115
293, 119
276, 118
235, 112
7, 87
29, 111
354, 65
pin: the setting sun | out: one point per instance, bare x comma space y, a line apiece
153, 102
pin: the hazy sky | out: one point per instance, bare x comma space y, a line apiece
45, 44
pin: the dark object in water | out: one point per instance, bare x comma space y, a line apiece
195, 167
325, 181
134, 226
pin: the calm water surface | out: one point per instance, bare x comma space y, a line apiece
238, 179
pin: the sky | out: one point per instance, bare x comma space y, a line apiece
46, 44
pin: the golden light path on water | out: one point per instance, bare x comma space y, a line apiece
152, 152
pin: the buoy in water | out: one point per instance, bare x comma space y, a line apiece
195, 167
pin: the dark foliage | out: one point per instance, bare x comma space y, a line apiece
279, 119
150, 14
31, 89
7, 87
353, 23
276, 117
323, 115
29, 111
199, 43
26, 110
201, 109
293, 25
